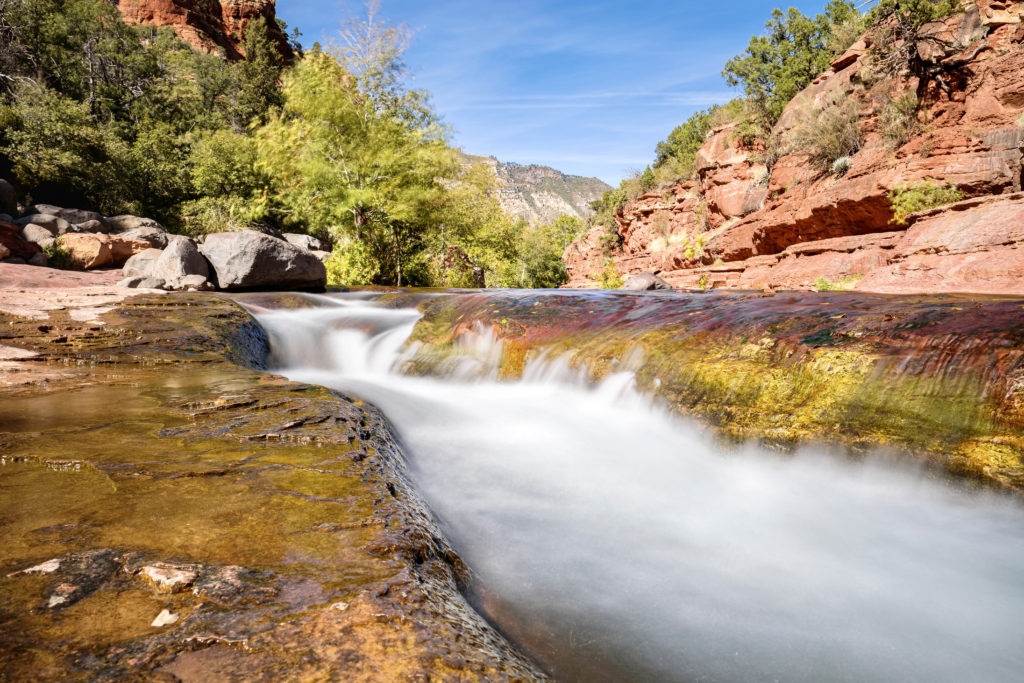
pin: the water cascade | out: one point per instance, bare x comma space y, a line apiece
614, 540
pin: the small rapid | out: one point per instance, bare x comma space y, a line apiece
614, 541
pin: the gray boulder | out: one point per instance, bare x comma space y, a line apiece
322, 255
93, 226
8, 198
142, 264
156, 237
189, 282
130, 282
73, 216
126, 222
307, 242
644, 282
180, 258
252, 260
55, 224
150, 283
38, 234
40, 259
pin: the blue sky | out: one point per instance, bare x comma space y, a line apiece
586, 87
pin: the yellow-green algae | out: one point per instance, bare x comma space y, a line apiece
314, 558
927, 376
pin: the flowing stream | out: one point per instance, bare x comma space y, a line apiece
615, 541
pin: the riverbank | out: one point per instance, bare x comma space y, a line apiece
172, 511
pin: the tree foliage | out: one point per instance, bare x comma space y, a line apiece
793, 51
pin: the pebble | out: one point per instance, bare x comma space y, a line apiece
168, 578
165, 618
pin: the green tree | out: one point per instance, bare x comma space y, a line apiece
342, 165
683, 142
778, 65
259, 74
542, 251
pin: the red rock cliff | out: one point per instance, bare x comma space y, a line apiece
207, 24
740, 225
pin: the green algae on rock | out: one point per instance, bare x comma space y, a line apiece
172, 513
935, 376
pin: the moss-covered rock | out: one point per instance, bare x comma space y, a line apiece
938, 377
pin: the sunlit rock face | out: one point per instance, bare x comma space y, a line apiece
207, 25
741, 225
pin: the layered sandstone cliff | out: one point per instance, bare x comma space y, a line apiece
208, 24
740, 224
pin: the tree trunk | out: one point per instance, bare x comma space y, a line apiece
398, 253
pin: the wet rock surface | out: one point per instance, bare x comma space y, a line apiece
172, 513
935, 379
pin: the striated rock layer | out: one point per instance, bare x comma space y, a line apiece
741, 224
207, 24
939, 378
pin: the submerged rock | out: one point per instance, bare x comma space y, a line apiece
212, 507
940, 378
165, 618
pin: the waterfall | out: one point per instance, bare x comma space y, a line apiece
615, 541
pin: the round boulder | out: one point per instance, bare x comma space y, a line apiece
126, 222
644, 282
37, 234
302, 241
95, 221
179, 259
55, 224
252, 260
142, 264
156, 237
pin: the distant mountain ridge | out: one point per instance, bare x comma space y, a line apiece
540, 194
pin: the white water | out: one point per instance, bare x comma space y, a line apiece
617, 543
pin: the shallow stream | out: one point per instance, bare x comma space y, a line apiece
613, 540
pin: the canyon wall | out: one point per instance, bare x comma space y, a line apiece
741, 224
540, 194
207, 24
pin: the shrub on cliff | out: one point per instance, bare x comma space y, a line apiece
897, 120
903, 44
921, 196
828, 134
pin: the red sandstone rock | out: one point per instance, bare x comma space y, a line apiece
207, 24
11, 240
90, 251
806, 224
